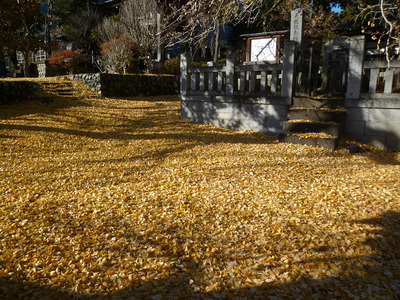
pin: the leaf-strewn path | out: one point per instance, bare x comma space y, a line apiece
120, 199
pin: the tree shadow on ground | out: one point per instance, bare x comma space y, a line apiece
381, 156
356, 281
383, 264
377, 279
386, 158
159, 122
44, 103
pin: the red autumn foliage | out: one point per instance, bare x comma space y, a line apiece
67, 60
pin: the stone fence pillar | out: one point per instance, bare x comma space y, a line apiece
186, 61
288, 69
356, 60
230, 75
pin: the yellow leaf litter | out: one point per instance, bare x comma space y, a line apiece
121, 199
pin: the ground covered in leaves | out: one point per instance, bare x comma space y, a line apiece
121, 199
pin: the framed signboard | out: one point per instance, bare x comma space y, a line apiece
263, 49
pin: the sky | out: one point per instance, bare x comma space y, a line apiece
336, 9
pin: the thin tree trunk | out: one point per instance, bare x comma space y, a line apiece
26, 64
3, 70
149, 64
160, 46
217, 41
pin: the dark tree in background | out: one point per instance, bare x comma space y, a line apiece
20, 22
144, 26
77, 20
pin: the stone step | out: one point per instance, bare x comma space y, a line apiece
61, 89
328, 143
52, 91
64, 89
318, 127
316, 115
314, 122
58, 88
331, 103
56, 84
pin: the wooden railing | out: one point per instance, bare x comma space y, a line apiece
232, 80
235, 82
381, 77
262, 79
211, 80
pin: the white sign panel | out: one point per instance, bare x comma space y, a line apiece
263, 49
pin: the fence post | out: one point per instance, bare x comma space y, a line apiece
288, 69
230, 75
356, 60
184, 68
389, 75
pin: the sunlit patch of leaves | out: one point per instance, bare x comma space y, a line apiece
117, 197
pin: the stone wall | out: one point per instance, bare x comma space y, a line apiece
265, 116
110, 85
138, 85
17, 91
374, 121
92, 80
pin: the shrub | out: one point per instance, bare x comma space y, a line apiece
172, 66
67, 60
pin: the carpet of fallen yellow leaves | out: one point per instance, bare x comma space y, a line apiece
121, 199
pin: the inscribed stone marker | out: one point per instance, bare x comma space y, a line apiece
296, 25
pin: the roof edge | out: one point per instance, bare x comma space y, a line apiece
281, 32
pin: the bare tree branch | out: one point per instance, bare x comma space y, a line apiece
382, 21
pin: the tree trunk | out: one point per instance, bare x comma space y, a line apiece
13, 63
160, 46
26, 64
149, 64
217, 41
3, 70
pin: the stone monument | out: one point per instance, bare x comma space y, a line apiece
296, 25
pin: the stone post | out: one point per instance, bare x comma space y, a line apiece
184, 66
288, 69
356, 61
296, 25
230, 75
